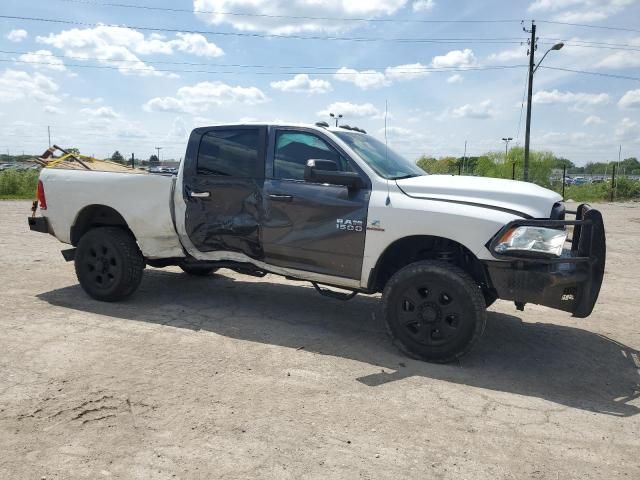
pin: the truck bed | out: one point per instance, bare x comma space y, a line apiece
144, 201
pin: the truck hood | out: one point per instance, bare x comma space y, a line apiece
522, 198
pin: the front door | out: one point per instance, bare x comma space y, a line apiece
222, 191
309, 226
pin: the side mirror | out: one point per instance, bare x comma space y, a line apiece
326, 171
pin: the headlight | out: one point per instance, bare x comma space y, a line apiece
536, 240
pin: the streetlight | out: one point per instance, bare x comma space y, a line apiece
532, 70
335, 117
506, 141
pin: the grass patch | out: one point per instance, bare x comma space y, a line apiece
626, 189
18, 184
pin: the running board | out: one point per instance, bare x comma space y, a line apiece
335, 295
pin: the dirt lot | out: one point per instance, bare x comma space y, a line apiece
236, 377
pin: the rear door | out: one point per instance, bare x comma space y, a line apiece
222, 190
309, 226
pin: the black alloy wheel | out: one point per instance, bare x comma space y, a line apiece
434, 311
109, 264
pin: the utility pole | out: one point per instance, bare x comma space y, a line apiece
133, 161
158, 149
527, 135
619, 155
49, 134
464, 158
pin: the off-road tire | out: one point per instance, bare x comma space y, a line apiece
109, 264
198, 270
434, 311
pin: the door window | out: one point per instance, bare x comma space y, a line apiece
229, 152
293, 149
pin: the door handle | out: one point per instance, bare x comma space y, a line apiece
199, 194
279, 197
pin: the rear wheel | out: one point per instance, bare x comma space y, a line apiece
109, 264
434, 311
198, 270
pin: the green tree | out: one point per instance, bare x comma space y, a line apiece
117, 157
154, 160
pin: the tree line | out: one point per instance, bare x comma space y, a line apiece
541, 165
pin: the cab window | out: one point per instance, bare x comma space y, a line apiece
229, 152
293, 149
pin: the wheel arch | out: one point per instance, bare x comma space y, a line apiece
93, 216
414, 248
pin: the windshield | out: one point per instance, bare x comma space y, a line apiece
383, 160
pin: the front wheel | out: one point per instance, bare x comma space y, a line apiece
434, 311
109, 264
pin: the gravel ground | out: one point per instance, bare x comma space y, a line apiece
236, 377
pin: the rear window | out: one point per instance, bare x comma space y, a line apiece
229, 152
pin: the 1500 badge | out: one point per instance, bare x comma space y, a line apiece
349, 225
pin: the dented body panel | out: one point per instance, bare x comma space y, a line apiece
142, 200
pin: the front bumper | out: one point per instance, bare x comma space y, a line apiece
571, 282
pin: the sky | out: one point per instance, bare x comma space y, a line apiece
109, 75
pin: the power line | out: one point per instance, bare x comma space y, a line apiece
505, 40
600, 74
524, 92
163, 70
372, 72
292, 17
571, 43
363, 70
602, 27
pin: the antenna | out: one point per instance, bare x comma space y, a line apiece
386, 148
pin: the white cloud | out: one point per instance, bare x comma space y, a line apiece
480, 110
457, 78
120, 46
366, 79
423, 5
17, 36
455, 59
398, 134
178, 129
363, 79
275, 9
17, 85
43, 59
631, 99
622, 59
352, 110
100, 112
512, 54
90, 101
409, 71
195, 44
202, 96
593, 120
578, 100
580, 10
53, 110
628, 130
301, 83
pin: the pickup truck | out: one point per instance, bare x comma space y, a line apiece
338, 208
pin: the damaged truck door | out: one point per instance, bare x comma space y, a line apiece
222, 189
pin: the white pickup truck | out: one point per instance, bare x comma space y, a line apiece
336, 207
